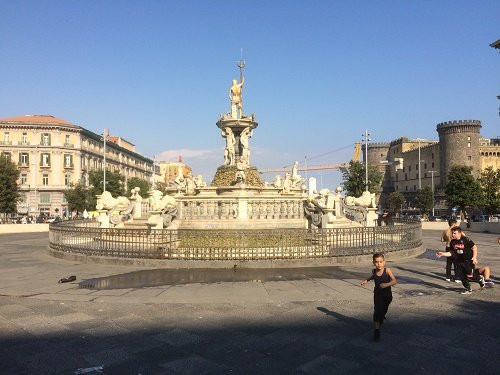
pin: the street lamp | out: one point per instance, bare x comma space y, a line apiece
365, 139
419, 163
104, 137
432, 187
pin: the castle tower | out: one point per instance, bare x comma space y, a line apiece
458, 145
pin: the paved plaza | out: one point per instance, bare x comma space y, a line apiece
304, 321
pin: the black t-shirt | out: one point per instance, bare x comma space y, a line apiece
461, 249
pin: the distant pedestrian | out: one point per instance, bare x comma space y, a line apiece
382, 293
446, 238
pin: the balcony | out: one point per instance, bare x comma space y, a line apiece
23, 143
69, 145
46, 166
23, 165
68, 166
6, 143
44, 143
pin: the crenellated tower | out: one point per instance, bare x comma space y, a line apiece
458, 145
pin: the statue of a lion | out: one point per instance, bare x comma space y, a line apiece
105, 201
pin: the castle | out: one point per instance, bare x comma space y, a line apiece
410, 164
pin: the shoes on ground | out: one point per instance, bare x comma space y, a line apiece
458, 281
481, 281
448, 280
488, 283
466, 291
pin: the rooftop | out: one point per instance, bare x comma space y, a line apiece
39, 119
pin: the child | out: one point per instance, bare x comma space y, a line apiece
382, 294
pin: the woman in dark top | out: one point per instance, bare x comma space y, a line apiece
382, 293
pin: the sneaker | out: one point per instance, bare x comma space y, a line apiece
489, 283
448, 280
376, 335
481, 281
466, 291
458, 281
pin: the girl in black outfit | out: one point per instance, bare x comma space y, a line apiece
382, 294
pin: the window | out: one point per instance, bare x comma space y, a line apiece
432, 165
416, 176
6, 138
425, 166
409, 168
416, 167
67, 179
425, 175
432, 156
45, 198
24, 179
406, 176
25, 139
406, 187
67, 139
414, 187
45, 179
468, 144
468, 138
469, 157
24, 158
45, 160
68, 160
45, 139
6, 155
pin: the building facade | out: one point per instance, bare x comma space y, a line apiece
411, 164
169, 171
52, 154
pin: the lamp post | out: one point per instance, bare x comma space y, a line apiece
104, 137
366, 139
432, 187
419, 164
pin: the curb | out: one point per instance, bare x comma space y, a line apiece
265, 263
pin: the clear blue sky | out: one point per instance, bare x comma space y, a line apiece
318, 72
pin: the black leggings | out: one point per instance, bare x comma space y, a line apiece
380, 307
449, 263
462, 270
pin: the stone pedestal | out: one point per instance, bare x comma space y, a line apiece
103, 219
155, 220
371, 217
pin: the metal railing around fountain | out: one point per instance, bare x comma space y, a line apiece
85, 237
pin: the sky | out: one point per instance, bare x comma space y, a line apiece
318, 73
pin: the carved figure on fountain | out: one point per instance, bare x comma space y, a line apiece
105, 201
366, 200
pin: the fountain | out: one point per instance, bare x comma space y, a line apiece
237, 217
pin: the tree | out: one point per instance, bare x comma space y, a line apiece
115, 184
395, 201
140, 183
425, 199
490, 184
9, 193
354, 179
78, 197
462, 189
162, 186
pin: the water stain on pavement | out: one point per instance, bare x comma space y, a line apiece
159, 277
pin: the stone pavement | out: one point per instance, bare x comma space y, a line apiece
306, 321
